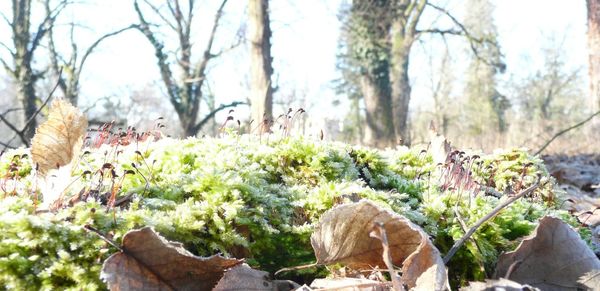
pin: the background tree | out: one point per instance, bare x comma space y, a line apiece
485, 106
261, 69
549, 99
368, 54
406, 16
70, 65
379, 39
593, 36
186, 92
26, 39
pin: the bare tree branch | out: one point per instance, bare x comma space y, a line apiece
7, 67
201, 66
3, 16
414, 17
563, 131
165, 69
97, 42
440, 31
157, 12
45, 25
21, 133
212, 114
464, 32
13, 128
12, 53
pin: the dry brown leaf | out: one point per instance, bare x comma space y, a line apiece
350, 284
342, 236
590, 280
498, 285
150, 262
58, 139
553, 257
242, 277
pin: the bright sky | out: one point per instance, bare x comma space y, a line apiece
305, 37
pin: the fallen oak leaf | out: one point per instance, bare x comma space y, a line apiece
147, 261
342, 236
590, 280
498, 285
349, 284
58, 139
553, 257
242, 277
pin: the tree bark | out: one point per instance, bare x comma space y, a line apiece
403, 34
23, 72
379, 131
261, 69
400, 92
593, 34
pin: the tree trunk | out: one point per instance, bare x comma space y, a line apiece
379, 131
27, 98
593, 16
400, 82
261, 89
23, 73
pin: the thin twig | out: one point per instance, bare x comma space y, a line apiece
297, 268
21, 133
458, 244
103, 236
379, 233
565, 131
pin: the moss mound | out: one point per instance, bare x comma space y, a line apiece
248, 197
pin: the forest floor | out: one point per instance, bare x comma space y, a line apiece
579, 176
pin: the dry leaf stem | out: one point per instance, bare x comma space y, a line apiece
487, 217
379, 233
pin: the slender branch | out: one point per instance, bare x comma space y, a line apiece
441, 31
212, 114
103, 236
45, 25
6, 146
97, 42
414, 18
565, 131
201, 66
165, 69
13, 128
297, 268
157, 12
458, 244
465, 32
7, 67
3, 16
42, 106
21, 133
12, 53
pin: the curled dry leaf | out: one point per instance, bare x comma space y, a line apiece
553, 257
150, 262
58, 139
242, 277
498, 285
350, 284
590, 280
342, 236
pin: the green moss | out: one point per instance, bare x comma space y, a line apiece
247, 197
